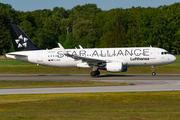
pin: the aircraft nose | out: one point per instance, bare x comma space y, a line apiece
173, 58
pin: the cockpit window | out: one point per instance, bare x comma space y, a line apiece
164, 53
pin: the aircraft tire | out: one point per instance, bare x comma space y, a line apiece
93, 73
153, 74
97, 73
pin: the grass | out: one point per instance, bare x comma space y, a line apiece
43, 84
86, 106
92, 106
8, 66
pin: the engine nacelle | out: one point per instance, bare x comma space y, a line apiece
114, 66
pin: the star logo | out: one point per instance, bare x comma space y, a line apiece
21, 41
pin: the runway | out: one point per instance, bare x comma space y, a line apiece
141, 83
50, 77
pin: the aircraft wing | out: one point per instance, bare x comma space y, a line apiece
84, 59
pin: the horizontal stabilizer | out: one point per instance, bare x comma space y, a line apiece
14, 54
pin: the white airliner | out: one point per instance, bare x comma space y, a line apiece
110, 59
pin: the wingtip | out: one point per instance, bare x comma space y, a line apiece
80, 47
62, 48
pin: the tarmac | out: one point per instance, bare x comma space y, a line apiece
141, 83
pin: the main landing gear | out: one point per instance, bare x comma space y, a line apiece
95, 73
153, 73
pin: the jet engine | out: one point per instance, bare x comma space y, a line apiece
115, 67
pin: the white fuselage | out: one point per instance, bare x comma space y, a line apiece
140, 56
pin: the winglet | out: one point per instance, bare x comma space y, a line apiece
80, 47
62, 48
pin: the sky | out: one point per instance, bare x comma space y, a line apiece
31, 5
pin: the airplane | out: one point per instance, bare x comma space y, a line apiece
110, 59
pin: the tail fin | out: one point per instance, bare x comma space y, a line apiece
20, 40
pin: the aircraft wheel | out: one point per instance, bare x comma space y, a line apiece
97, 73
93, 73
153, 74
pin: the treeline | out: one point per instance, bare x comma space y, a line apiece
92, 27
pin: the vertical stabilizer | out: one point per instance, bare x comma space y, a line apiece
20, 40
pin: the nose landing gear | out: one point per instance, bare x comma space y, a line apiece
153, 73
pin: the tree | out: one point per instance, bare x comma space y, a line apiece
87, 11
5, 41
26, 26
115, 38
84, 33
61, 13
47, 37
5, 6
91, 27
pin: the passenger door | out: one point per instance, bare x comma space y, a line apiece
152, 54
